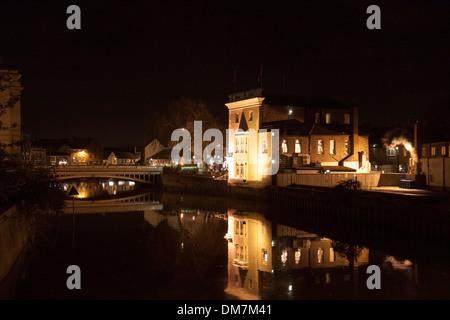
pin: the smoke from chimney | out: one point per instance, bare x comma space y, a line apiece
401, 141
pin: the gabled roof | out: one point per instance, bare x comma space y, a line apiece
287, 99
123, 155
290, 127
163, 154
293, 127
318, 130
281, 99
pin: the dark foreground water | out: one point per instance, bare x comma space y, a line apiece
191, 247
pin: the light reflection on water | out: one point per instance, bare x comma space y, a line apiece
191, 247
89, 188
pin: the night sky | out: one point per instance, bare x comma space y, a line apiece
113, 77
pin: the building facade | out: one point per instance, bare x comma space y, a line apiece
121, 158
10, 113
38, 156
314, 132
86, 151
435, 164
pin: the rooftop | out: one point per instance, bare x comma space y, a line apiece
288, 99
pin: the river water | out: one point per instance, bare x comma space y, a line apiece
136, 243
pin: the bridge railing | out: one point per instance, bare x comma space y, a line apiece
103, 168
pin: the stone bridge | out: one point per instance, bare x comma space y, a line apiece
140, 202
144, 174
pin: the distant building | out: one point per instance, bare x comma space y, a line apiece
435, 164
10, 121
314, 132
86, 151
152, 149
57, 150
387, 158
38, 156
162, 158
121, 158
58, 159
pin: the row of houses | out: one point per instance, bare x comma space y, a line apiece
316, 135
75, 151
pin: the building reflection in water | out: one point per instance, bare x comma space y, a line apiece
250, 256
98, 187
264, 257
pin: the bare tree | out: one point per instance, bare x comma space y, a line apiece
7, 102
182, 113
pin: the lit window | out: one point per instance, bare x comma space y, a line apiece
298, 256
250, 117
443, 150
433, 151
327, 117
298, 147
284, 256
347, 147
290, 111
319, 255
284, 147
319, 146
332, 147
390, 152
264, 146
346, 118
265, 256
332, 254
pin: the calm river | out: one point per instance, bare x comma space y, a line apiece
135, 243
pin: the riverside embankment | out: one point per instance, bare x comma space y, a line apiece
16, 232
408, 220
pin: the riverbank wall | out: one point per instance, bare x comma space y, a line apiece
368, 180
204, 185
420, 220
403, 221
15, 235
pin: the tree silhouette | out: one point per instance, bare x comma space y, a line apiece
182, 113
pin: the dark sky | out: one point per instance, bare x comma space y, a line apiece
131, 58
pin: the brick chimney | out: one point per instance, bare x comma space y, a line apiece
355, 132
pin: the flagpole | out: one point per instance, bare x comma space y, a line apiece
260, 77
